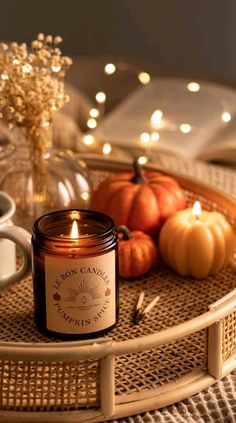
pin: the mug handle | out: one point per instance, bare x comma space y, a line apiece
22, 239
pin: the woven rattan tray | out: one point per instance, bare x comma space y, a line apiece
187, 343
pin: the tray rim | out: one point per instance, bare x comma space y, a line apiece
111, 164
186, 386
101, 347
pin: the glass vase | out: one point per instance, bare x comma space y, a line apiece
41, 178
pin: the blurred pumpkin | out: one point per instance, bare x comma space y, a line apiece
141, 200
137, 253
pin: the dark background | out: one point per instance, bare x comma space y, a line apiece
178, 36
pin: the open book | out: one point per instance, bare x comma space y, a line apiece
208, 115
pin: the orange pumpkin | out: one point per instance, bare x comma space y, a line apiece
137, 253
141, 201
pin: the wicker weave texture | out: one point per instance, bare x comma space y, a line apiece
49, 385
229, 335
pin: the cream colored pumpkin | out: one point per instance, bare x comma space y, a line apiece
197, 246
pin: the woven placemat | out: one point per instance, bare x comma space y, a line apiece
216, 404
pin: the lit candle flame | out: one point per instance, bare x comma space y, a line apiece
74, 230
197, 209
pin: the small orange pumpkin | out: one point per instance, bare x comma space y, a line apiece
140, 200
137, 253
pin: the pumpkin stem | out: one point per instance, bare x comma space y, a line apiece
138, 178
124, 231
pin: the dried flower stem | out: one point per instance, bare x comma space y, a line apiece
39, 141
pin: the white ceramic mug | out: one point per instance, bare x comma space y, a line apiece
18, 236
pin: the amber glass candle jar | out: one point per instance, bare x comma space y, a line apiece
75, 274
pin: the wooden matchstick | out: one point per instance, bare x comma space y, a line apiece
140, 313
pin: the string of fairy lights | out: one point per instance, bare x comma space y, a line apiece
98, 112
17, 65
146, 139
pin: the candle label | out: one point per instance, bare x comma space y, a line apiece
80, 293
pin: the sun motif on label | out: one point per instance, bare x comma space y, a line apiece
56, 296
107, 292
83, 289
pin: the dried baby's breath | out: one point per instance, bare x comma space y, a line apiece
31, 81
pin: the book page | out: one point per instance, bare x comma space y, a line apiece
223, 146
201, 111
222, 153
